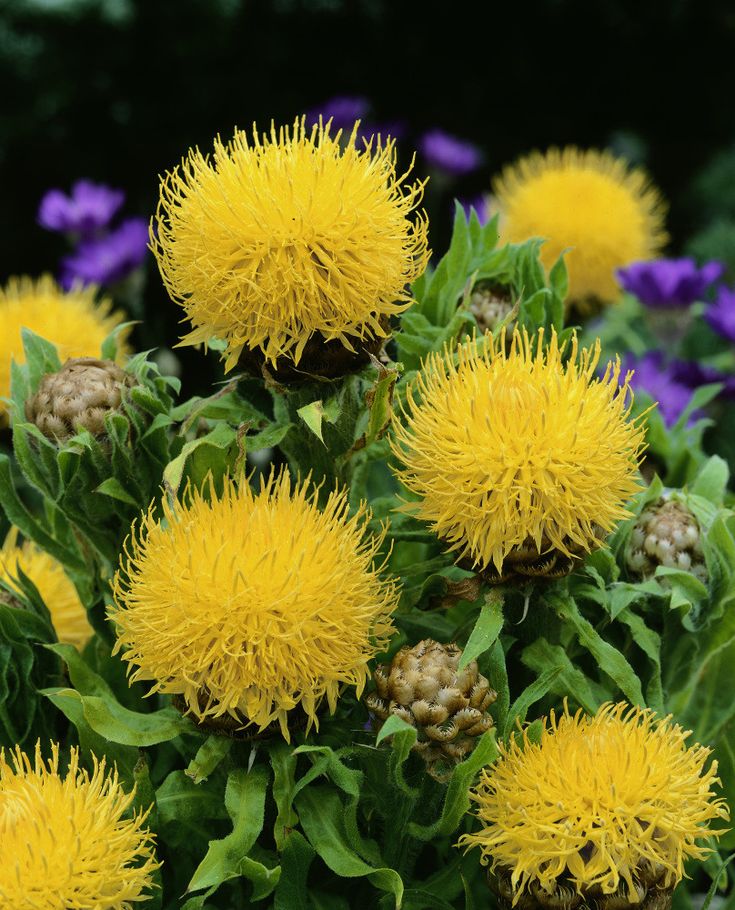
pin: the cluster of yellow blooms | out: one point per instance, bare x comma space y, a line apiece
255, 606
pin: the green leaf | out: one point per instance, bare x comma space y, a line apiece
119, 725
312, 415
486, 630
292, 892
222, 438
711, 480
226, 857
530, 695
213, 750
283, 763
180, 800
542, 656
41, 356
268, 438
716, 881
403, 739
457, 800
321, 812
609, 659
112, 487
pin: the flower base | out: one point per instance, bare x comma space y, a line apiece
320, 358
239, 727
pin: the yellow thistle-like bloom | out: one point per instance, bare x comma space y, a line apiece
65, 841
68, 616
253, 603
519, 448
287, 235
613, 801
71, 320
588, 202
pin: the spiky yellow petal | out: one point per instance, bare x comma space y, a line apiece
71, 320
589, 203
507, 447
68, 616
250, 604
597, 801
68, 840
286, 235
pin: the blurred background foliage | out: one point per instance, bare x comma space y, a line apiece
118, 90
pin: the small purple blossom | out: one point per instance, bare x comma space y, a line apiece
89, 207
721, 314
107, 260
694, 374
479, 204
669, 282
449, 153
656, 378
342, 110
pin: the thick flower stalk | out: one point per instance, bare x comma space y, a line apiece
288, 236
603, 811
249, 604
73, 321
68, 616
424, 686
589, 203
69, 840
523, 458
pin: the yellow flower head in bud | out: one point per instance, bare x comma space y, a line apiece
68, 616
587, 202
605, 802
69, 840
71, 320
521, 447
250, 604
288, 234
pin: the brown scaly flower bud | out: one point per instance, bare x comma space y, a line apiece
78, 397
666, 534
490, 304
447, 706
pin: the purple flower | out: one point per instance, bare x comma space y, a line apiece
479, 204
694, 374
669, 282
90, 206
721, 314
450, 154
342, 110
657, 379
108, 259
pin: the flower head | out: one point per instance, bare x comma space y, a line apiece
253, 603
520, 448
108, 259
68, 616
669, 282
89, 207
588, 203
652, 375
600, 802
721, 314
74, 322
342, 110
449, 153
287, 235
68, 840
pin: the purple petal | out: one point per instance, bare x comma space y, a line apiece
109, 259
669, 282
89, 208
721, 314
653, 376
449, 153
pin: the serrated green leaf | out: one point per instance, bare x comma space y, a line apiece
312, 415
112, 487
223, 437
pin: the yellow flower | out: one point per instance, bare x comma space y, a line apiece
72, 321
64, 840
253, 603
519, 449
588, 202
287, 235
614, 801
57, 591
